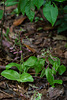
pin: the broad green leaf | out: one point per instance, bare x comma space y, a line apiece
10, 74
25, 77
41, 61
31, 61
51, 60
55, 68
50, 12
22, 5
49, 76
61, 69
42, 73
1, 14
58, 61
39, 65
30, 10
19, 67
38, 3
37, 68
10, 3
58, 81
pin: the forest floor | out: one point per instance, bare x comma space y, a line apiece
35, 37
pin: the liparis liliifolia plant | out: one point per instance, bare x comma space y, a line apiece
38, 65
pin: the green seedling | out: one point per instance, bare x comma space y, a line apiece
36, 96
15, 11
38, 19
14, 75
38, 65
52, 68
23, 76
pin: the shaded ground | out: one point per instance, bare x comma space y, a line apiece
35, 38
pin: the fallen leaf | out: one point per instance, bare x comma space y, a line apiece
19, 21
31, 49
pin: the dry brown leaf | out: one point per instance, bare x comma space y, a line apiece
19, 21
31, 49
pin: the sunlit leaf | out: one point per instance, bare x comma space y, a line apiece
14, 65
25, 77
50, 11
10, 74
49, 76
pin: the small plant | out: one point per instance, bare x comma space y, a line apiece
36, 96
14, 75
52, 68
37, 19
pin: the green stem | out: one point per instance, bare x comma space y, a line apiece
21, 60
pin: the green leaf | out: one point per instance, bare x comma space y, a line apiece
55, 68
25, 77
30, 10
10, 74
22, 5
51, 60
1, 14
31, 61
10, 3
19, 67
49, 76
58, 61
38, 3
39, 65
61, 69
50, 12
41, 61
42, 73
37, 68
58, 81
